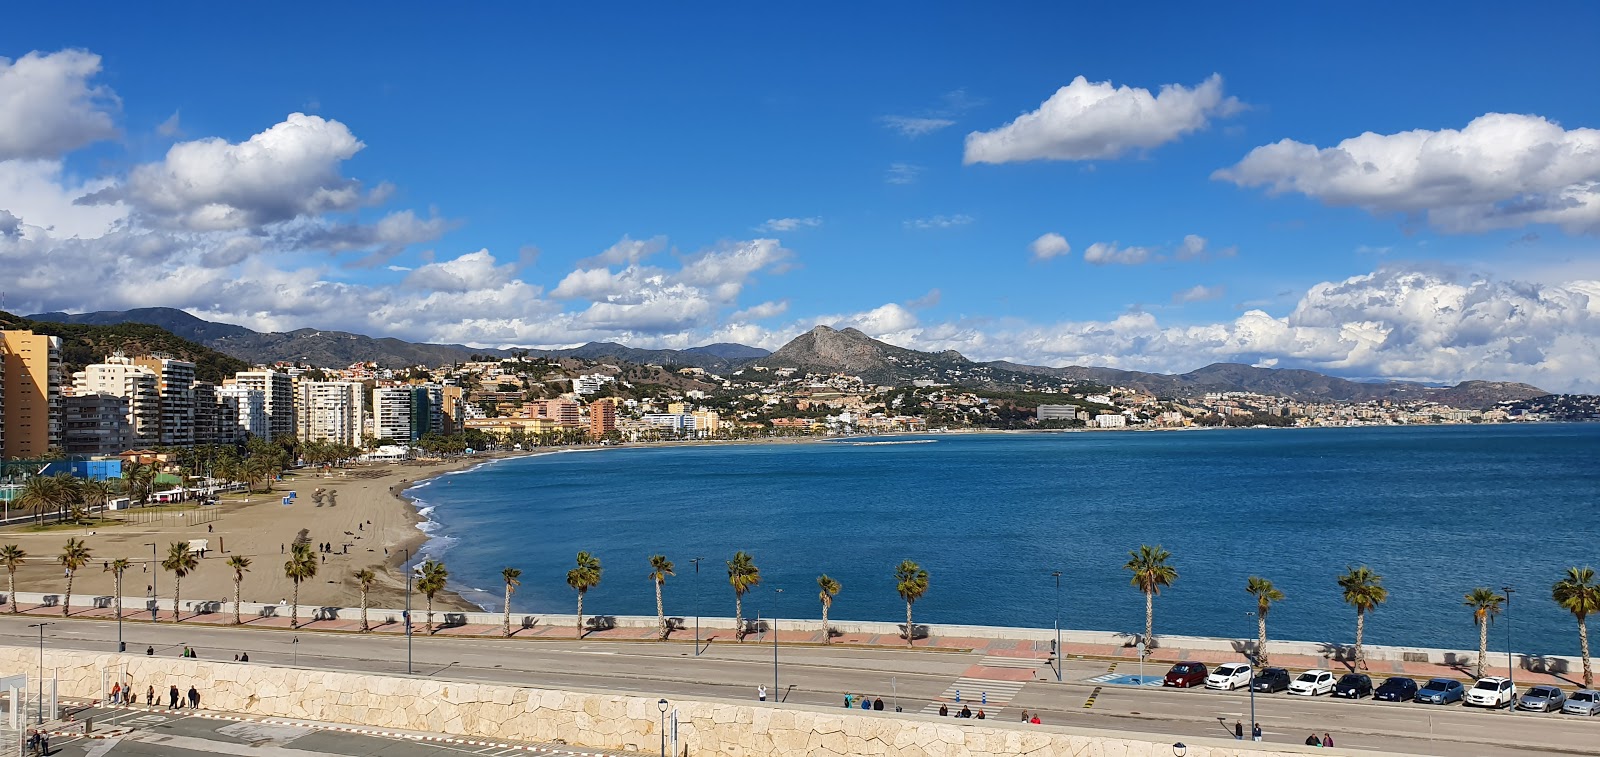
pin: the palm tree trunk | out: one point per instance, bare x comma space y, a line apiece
119, 594
236, 586
508, 610
580, 615
911, 630
294, 609
827, 636
1361, 625
738, 616
177, 591
1583, 645
661, 613
430, 615
1483, 644
11, 589
364, 627
1261, 641
66, 606
1149, 620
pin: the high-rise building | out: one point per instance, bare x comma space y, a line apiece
330, 411
278, 389
95, 424
602, 417
706, 423
246, 406
563, 411
391, 413
455, 408
119, 376
427, 410
175, 385
31, 391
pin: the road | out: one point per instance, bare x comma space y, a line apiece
822, 675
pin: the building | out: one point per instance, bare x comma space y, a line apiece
175, 386
563, 411
591, 383
277, 387
331, 411
706, 423
248, 408
427, 410
95, 424
30, 390
391, 413
137, 384
674, 421
455, 408
503, 428
1106, 420
1057, 412
602, 417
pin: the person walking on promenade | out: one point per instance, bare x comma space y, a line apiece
1255, 732
194, 698
1035, 719
172, 697
116, 694
761, 692
149, 696
866, 704
1238, 731
877, 704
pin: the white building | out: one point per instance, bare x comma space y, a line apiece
330, 411
120, 377
175, 385
278, 389
250, 408
591, 383
1106, 420
1056, 412
391, 413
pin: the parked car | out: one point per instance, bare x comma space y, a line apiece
1582, 702
1542, 699
1396, 689
1441, 691
1229, 676
1353, 686
1312, 682
1493, 691
1271, 680
1185, 674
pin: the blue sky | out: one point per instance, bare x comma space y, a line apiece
457, 173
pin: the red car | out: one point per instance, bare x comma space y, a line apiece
1186, 674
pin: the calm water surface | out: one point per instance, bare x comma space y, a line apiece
1436, 511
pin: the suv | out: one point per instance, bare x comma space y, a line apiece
1396, 689
1185, 674
1493, 691
1312, 683
1270, 680
1353, 686
1582, 702
1230, 676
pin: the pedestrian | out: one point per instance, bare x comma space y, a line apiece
280, 550
1024, 716
980, 713
172, 697
966, 711
1312, 740
847, 701
877, 704
116, 694
44, 743
244, 657
1255, 732
208, 528
236, 658
149, 651
1035, 720
1327, 739
944, 711
1238, 731
149, 696
761, 692
866, 704
194, 698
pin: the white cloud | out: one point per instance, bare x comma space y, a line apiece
627, 251
939, 221
1095, 120
1102, 253
1049, 245
10, 225
913, 126
1502, 170
762, 311
45, 199
789, 224
469, 272
928, 300
171, 127
879, 322
1196, 247
47, 106
1199, 293
902, 173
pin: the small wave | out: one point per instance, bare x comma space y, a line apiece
904, 441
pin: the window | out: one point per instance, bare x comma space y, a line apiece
1488, 685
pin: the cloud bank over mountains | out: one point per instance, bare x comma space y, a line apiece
266, 229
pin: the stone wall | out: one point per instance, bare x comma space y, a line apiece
494, 711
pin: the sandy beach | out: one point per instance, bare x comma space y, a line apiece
370, 526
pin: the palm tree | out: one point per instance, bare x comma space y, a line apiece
829, 589
1265, 594
1485, 605
12, 556
912, 582
1364, 591
181, 562
513, 578
1579, 595
743, 575
97, 493
431, 581
1150, 573
39, 494
117, 568
365, 579
73, 556
300, 567
583, 578
240, 565
660, 568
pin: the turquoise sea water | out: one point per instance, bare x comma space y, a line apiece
1435, 510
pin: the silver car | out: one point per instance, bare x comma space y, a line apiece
1583, 702
1542, 699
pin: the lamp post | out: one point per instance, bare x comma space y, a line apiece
295, 645
1511, 668
696, 562
41, 626
155, 591
1252, 684
662, 706
407, 564
776, 595
1059, 653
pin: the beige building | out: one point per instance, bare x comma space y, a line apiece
30, 394
277, 387
331, 411
175, 385
120, 377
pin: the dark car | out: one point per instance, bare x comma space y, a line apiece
1185, 674
1441, 691
1396, 690
1353, 686
1271, 680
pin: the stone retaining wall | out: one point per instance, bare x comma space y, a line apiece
494, 711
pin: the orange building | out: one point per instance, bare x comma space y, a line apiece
30, 394
602, 417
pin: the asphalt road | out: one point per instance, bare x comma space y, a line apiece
822, 675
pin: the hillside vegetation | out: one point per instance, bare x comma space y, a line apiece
82, 344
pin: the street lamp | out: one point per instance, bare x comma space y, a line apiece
776, 595
406, 562
295, 645
155, 593
1254, 659
696, 562
41, 626
662, 706
1059, 653
1511, 668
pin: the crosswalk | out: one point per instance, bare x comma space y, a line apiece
986, 693
992, 661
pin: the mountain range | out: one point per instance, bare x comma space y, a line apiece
820, 350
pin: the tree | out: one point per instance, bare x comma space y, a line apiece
1265, 594
1364, 591
829, 589
118, 567
73, 556
1485, 604
97, 493
365, 579
513, 578
431, 578
1150, 572
1579, 595
743, 575
240, 565
583, 578
300, 567
13, 557
911, 581
660, 568
39, 494
180, 562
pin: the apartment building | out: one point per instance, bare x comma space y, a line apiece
248, 408
602, 417
277, 387
391, 413
331, 411
119, 376
563, 411
175, 386
427, 410
95, 424
591, 383
30, 391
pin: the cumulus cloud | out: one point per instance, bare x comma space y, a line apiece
627, 251
1502, 170
789, 224
1103, 253
902, 173
880, 322
170, 127
939, 222
1199, 293
914, 126
1196, 247
762, 311
472, 271
1050, 245
10, 225
928, 300
1096, 120
49, 108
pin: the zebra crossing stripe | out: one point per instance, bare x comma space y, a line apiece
988, 694
1011, 662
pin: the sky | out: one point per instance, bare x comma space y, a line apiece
1375, 191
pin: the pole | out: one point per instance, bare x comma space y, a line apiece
696, 562
662, 706
776, 594
121, 647
407, 565
41, 626
1511, 668
1253, 659
295, 645
155, 590
1060, 654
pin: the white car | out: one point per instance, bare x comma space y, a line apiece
1312, 683
1494, 691
1230, 676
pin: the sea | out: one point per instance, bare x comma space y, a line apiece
1435, 510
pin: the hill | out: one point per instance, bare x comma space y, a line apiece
85, 343
827, 350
